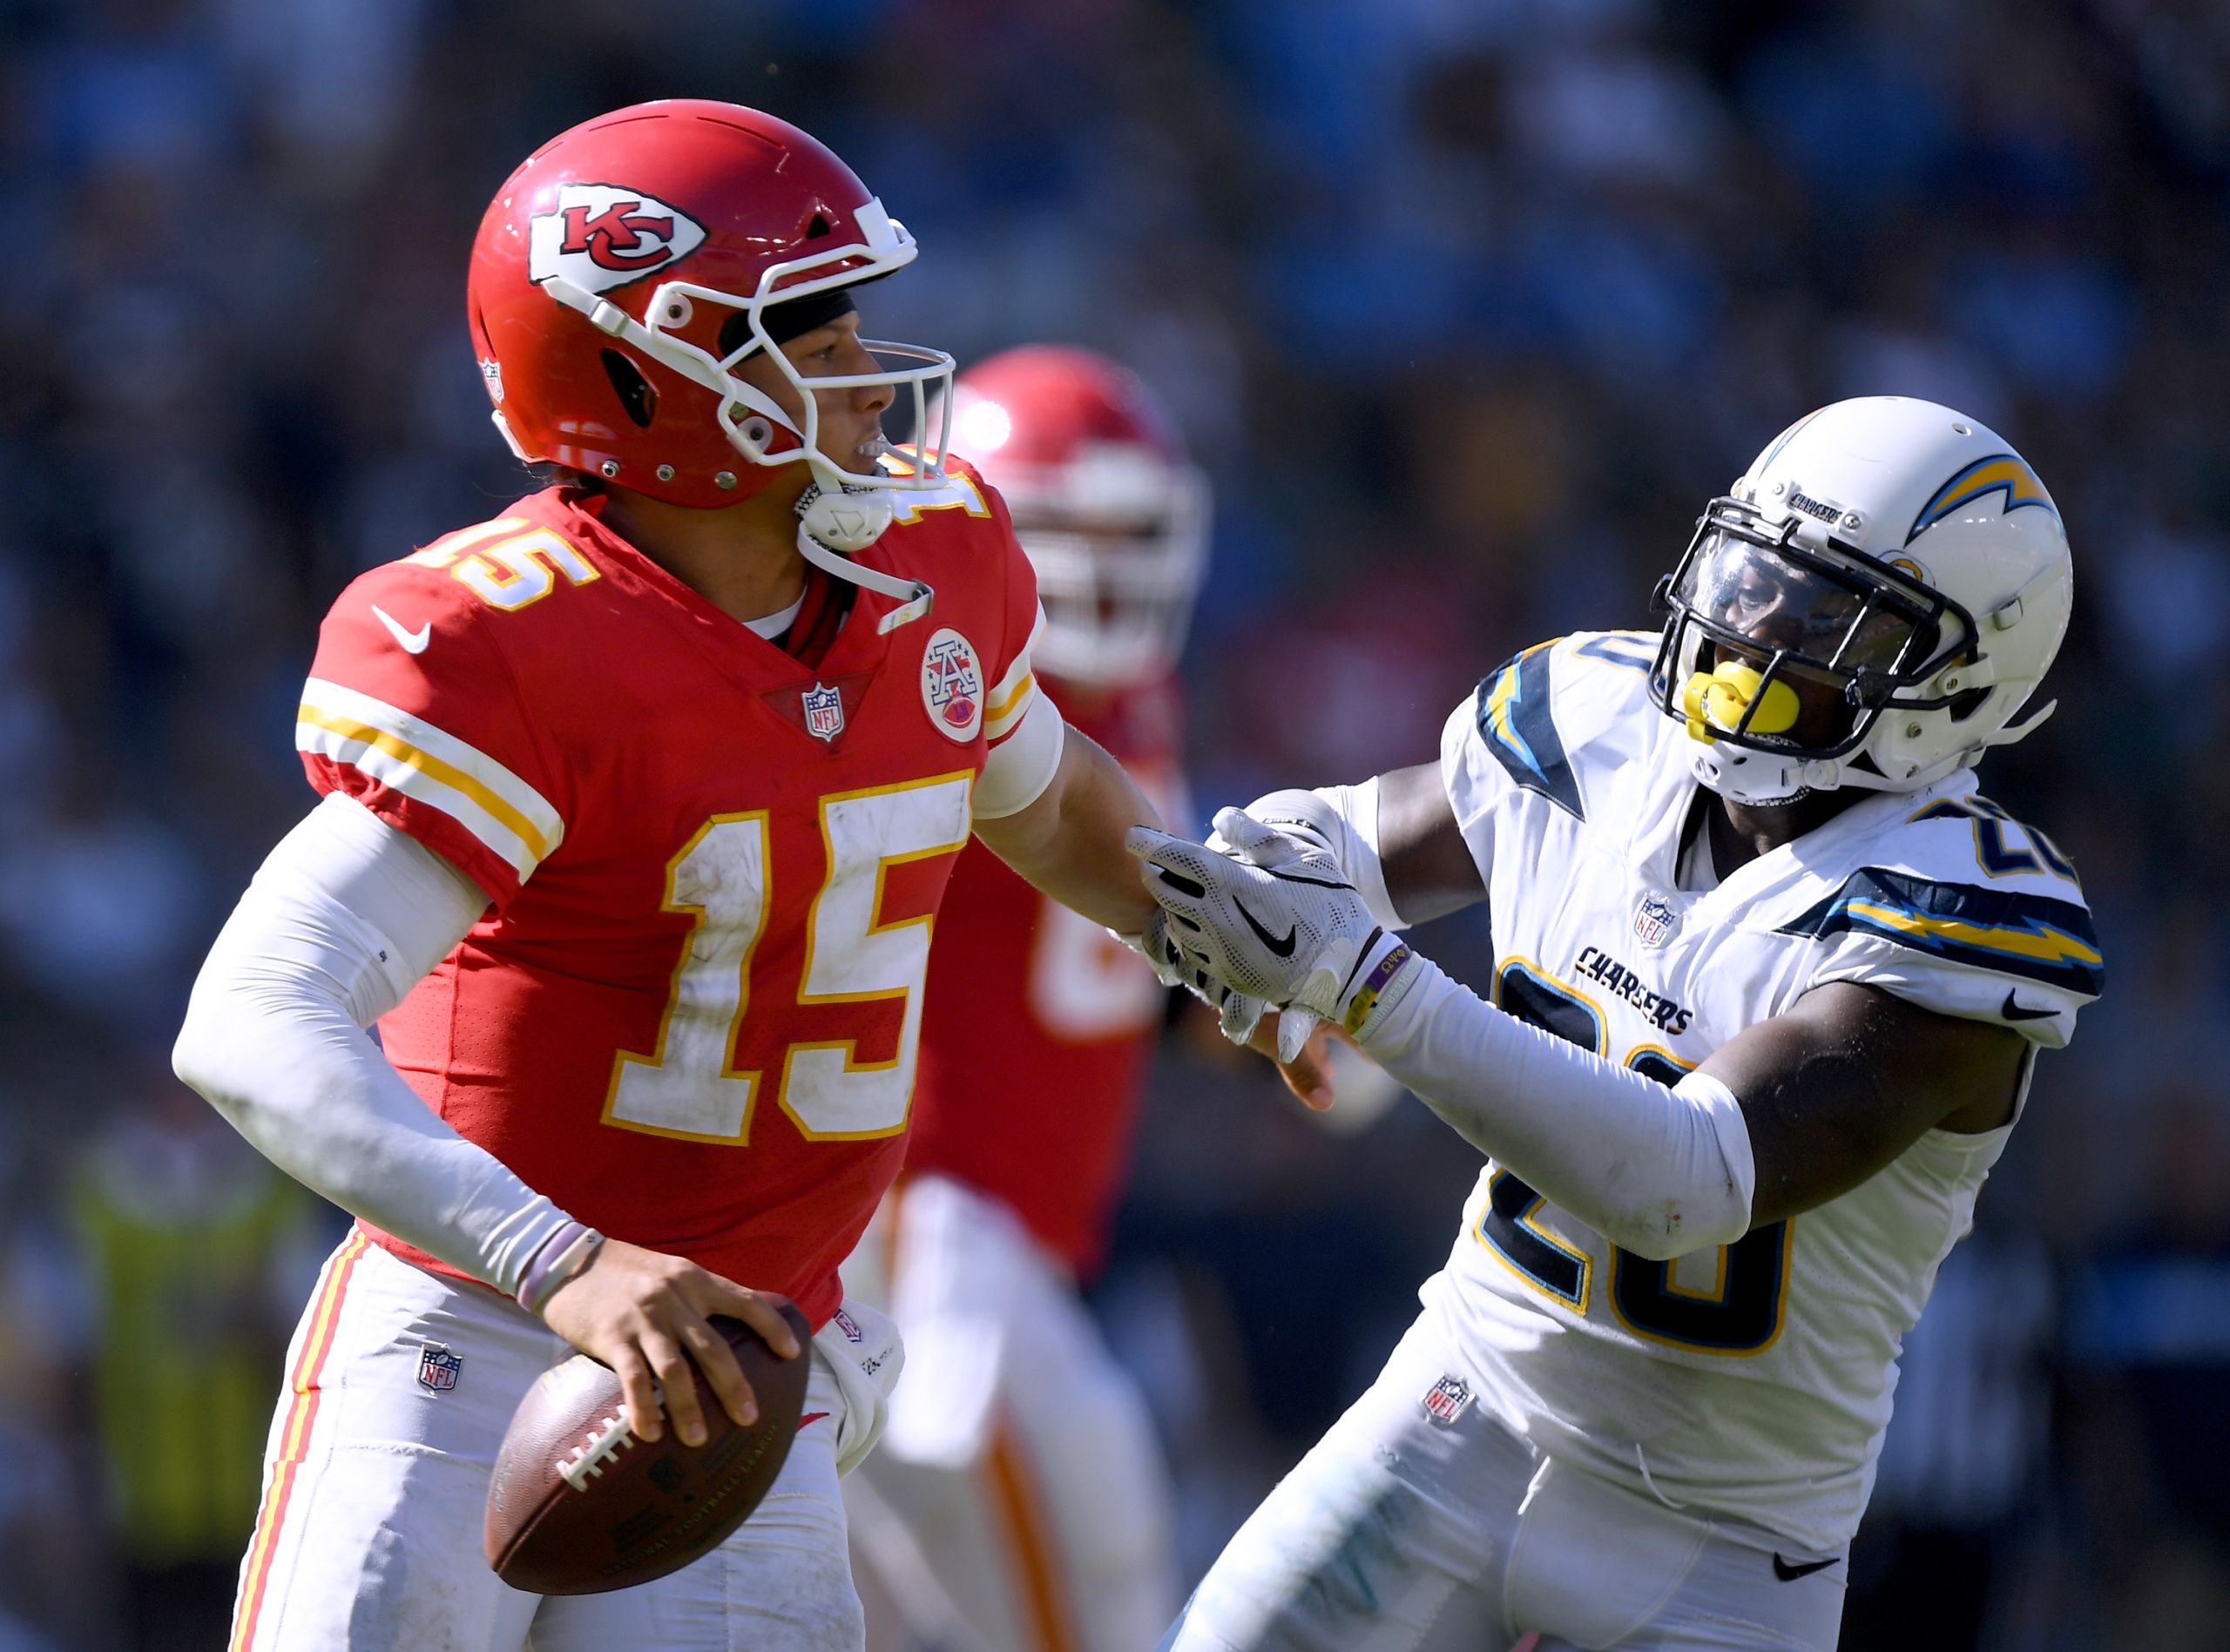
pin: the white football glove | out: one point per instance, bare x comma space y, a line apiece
1236, 1013
1275, 920
1296, 814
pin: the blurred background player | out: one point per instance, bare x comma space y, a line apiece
1020, 1471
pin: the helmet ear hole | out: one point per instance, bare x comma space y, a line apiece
817, 229
1965, 706
635, 392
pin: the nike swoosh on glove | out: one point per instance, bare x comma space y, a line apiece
1236, 1013
1275, 920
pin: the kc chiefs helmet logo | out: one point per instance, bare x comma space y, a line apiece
600, 236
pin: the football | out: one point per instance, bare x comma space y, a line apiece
579, 1505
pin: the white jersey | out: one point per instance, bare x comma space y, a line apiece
1754, 1381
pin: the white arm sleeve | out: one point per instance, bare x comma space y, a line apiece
1660, 1172
343, 919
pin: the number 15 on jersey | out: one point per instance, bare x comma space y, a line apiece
688, 1086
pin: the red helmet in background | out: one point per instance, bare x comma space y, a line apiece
1113, 515
631, 263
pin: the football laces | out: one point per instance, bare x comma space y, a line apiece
604, 1442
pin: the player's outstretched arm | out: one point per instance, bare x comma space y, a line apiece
1784, 1116
1068, 839
344, 917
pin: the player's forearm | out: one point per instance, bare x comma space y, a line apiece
313, 1093
274, 1037
1069, 843
1658, 1171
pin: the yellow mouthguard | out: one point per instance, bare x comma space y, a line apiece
1717, 700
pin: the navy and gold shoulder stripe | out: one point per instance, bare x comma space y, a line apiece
2046, 940
1514, 721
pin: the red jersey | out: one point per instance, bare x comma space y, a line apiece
1041, 1023
692, 1012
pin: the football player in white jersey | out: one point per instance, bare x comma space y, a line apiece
1770, 978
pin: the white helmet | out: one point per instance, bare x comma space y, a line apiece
1893, 547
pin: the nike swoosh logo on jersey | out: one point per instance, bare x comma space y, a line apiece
810, 1417
2021, 1012
410, 642
1788, 1574
1281, 947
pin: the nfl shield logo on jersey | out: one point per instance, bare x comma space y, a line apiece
1448, 1400
824, 712
952, 685
437, 1368
1654, 919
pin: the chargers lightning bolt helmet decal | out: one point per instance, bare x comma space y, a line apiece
1887, 554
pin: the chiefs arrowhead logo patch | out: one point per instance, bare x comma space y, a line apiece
599, 236
952, 685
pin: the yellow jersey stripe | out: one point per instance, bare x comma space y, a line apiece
2046, 948
422, 761
406, 759
1001, 710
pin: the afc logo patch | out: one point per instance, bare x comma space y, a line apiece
601, 236
1654, 919
1448, 1400
952, 685
824, 712
438, 1368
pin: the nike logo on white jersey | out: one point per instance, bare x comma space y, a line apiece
410, 642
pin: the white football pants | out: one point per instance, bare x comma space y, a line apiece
1018, 1502
1402, 1530
400, 1384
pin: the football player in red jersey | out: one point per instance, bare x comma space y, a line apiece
638, 802
1020, 1461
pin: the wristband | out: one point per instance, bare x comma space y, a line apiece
1387, 984
562, 1257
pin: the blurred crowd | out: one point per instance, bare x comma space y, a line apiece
1466, 304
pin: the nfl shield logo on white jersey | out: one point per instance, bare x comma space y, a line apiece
1448, 1400
437, 1368
824, 712
1655, 919
848, 1326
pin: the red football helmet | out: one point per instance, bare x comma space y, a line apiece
592, 364
1112, 514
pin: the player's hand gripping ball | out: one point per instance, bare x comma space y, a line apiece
580, 1505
